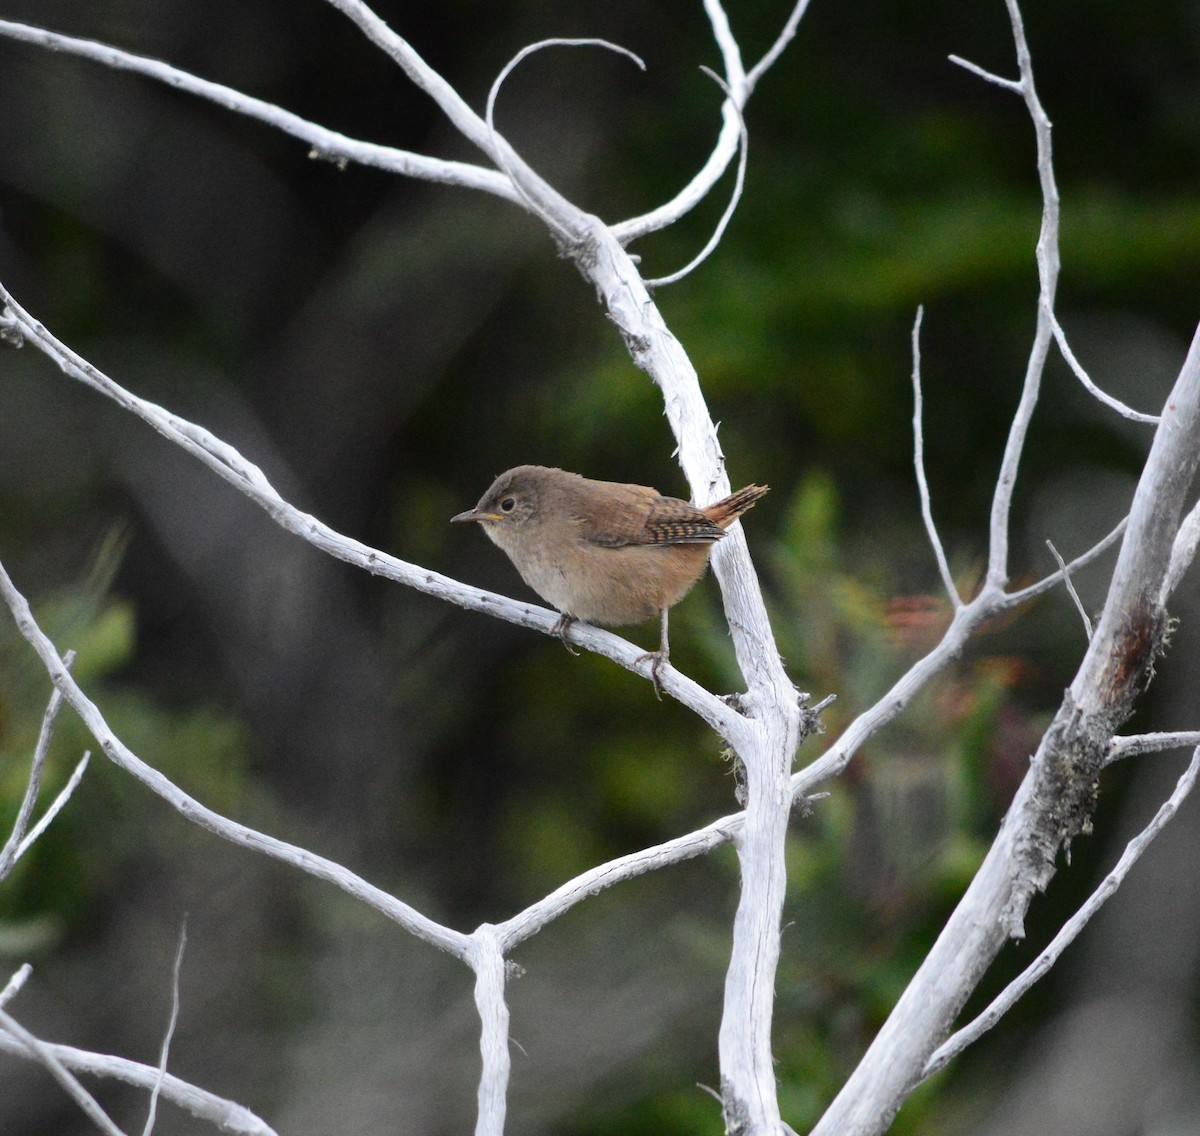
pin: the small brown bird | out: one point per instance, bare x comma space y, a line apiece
602, 551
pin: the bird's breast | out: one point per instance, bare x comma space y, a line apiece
610, 586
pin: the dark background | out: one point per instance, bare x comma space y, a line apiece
382, 349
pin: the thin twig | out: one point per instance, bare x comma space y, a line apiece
1184, 552
11, 851
1048, 583
989, 76
13, 986
61, 1074
56, 806
741, 85
1000, 1005
734, 197
776, 49
171, 1022
1060, 337
1133, 745
1048, 268
919, 463
1066, 575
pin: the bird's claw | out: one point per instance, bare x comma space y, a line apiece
560, 628
656, 667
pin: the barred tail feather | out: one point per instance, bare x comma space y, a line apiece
726, 511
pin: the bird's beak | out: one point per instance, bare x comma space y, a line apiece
476, 515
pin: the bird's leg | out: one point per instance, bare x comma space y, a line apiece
660, 656
561, 628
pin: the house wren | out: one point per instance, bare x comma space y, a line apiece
602, 551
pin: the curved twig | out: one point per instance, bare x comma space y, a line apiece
734, 198
919, 463
503, 159
777, 48
1060, 337
741, 85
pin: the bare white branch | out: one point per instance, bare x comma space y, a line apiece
773, 725
323, 143
1022, 858
487, 959
548, 203
1060, 337
521, 185
525, 924
1066, 576
731, 52
452, 104
734, 198
453, 942
247, 478
919, 463
225, 1114
1133, 745
48, 1058
767, 734
170, 1032
1070, 930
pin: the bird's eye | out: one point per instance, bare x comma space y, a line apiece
507, 505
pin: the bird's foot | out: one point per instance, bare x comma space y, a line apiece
561, 627
660, 657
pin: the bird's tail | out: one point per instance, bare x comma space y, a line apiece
726, 511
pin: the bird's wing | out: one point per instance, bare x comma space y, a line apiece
640, 515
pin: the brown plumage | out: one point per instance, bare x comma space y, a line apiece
604, 551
